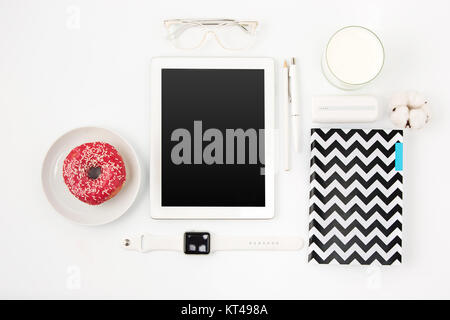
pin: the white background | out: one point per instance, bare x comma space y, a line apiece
58, 72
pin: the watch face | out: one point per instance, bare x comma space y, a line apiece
197, 242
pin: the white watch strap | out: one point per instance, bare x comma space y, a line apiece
149, 242
269, 243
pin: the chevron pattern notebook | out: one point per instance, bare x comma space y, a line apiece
356, 191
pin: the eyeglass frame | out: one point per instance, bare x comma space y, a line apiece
206, 24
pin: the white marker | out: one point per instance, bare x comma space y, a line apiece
286, 117
295, 111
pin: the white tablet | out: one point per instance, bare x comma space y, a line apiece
212, 138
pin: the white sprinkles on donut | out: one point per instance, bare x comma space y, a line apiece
94, 172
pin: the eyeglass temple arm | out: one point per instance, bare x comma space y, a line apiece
242, 24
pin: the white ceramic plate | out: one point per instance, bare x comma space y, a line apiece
59, 195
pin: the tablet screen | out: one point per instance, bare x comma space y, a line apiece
212, 138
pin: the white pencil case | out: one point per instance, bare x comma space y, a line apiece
344, 109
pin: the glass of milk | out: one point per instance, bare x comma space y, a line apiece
354, 56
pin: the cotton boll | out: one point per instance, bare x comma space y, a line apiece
417, 118
400, 116
399, 99
409, 110
426, 108
415, 100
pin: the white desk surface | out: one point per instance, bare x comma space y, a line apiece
58, 73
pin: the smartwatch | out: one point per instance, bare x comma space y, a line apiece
205, 243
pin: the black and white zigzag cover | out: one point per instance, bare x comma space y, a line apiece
355, 214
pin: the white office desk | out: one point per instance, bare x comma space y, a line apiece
69, 64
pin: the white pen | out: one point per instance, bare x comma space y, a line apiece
295, 111
286, 117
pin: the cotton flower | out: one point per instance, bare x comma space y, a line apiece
415, 100
399, 99
426, 108
409, 110
400, 116
417, 118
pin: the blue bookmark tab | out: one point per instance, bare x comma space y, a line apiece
398, 156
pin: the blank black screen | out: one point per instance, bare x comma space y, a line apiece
221, 99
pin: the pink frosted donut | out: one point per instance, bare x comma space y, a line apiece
94, 172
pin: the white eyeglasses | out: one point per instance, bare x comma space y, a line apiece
192, 34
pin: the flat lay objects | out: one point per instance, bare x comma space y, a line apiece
230, 34
64, 202
354, 56
203, 110
333, 109
206, 242
409, 110
356, 192
94, 172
